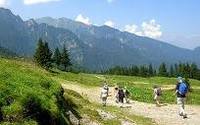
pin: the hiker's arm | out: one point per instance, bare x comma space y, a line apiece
101, 94
176, 92
176, 89
154, 92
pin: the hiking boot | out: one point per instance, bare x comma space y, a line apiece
180, 114
184, 116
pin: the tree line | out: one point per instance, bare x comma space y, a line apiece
47, 59
179, 69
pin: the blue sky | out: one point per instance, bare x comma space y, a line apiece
173, 21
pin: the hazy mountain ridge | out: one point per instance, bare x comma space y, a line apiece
21, 36
94, 47
57, 37
121, 48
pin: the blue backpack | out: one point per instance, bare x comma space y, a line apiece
183, 88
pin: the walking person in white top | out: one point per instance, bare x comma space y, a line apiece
104, 94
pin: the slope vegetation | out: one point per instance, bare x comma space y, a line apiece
28, 95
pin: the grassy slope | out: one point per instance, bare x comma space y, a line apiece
28, 96
24, 86
141, 88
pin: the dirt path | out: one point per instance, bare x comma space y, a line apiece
165, 115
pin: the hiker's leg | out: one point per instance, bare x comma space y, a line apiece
180, 104
104, 101
127, 99
157, 102
183, 106
121, 101
156, 98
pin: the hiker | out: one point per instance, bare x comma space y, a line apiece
157, 93
181, 92
104, 94
121, 96
127, 94
116, 96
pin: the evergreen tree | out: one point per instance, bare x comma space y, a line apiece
43, 55
163, 70
150, 70
176, 69
65, 61
155, 72
57, 57
47, 55
134, 71
180, 69
194, 71
187, 70
143, 71
39, 55
171, 71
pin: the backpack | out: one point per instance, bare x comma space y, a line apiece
183, 88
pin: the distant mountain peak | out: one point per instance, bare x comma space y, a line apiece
31, 22
4, 10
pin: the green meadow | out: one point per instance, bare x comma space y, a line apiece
31, 96
141, 88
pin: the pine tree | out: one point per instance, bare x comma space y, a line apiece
194, 71
150, 70
65, 61
155, 72
43, 55
187, 71
48, 55
180, 69
163, 70
57, 57
134, 71
171, 71
143, 71
176, 70
39, 55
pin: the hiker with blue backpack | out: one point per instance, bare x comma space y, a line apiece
181, 92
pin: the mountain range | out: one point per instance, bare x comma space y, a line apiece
90, 46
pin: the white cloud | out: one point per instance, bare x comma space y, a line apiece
110, 23
82, 19
3, 3
149, 29
133, 29
30, 2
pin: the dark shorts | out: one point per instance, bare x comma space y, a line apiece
121, 100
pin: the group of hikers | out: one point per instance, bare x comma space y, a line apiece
122, 95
